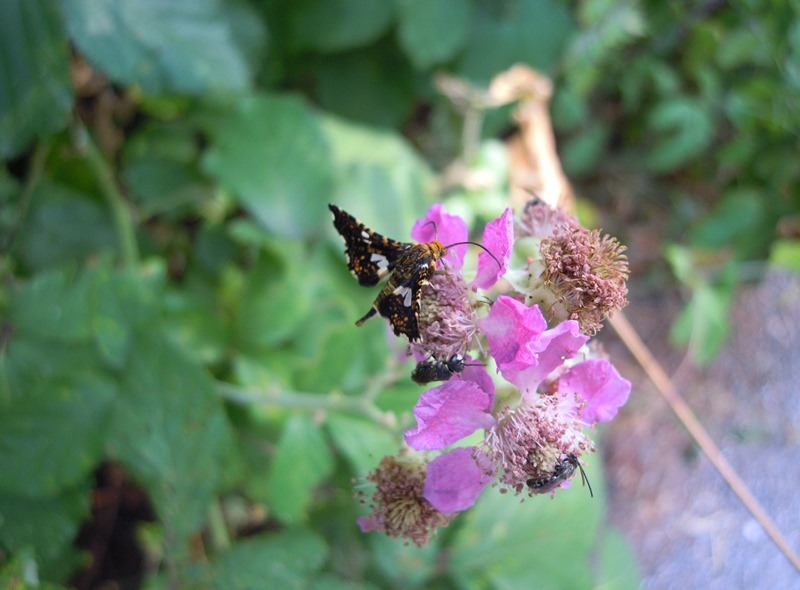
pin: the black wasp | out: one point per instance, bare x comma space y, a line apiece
561, 473
434, 370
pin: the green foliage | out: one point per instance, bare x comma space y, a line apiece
703, 323
530, 544
711, 99
35, 93
186, 46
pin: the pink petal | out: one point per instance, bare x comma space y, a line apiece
477, 374
446, 228
498, 238
454, 481
550, 350
509, 328
448, 413
368, 523
597, 383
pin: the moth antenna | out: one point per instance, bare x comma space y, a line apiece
435, 229
584, 479
482, 247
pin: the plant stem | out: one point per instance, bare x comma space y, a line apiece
35, 173
218, 528
120, 211
473, 121
306, 401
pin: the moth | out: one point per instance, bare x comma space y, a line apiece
371, 257
434, 370
562, 472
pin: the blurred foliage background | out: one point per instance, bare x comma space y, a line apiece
184, 399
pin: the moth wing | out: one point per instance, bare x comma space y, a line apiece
399, 300
370, 256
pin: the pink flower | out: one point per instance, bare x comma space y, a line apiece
498, 238
447, 229
455, 480
509, 327
448, 413
550, 350
398, 506
524, 350
598, 385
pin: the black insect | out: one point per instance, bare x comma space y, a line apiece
434, 370
371, 257
562, 472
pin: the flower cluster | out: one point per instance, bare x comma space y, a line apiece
532, 304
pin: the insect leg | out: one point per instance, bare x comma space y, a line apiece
372, 311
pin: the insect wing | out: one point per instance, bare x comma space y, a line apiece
399, 300
562, 472
370, 256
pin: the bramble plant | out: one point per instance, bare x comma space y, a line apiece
555, 385
182, 389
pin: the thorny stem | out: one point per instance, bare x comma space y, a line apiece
120, 211
684, 413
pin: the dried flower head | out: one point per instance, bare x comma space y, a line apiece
539, 220
587, 272
398, 506
529, 441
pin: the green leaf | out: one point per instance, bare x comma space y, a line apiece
54, 306
35, 89
404, 564
22, 573
539, 543
303, 460
160, 168
741, 220
433, 31
274, 303
362, 443
48, 524
617, 563
286, 560
120, 303
163, 45
683, 129
785, 254
532, 32
703, 324
379, 178
41, 453
582, 153
170, 432
47, 240
329, 581
271, 152
681, 262
336, 25
374, 85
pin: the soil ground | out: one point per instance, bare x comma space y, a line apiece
686, 526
